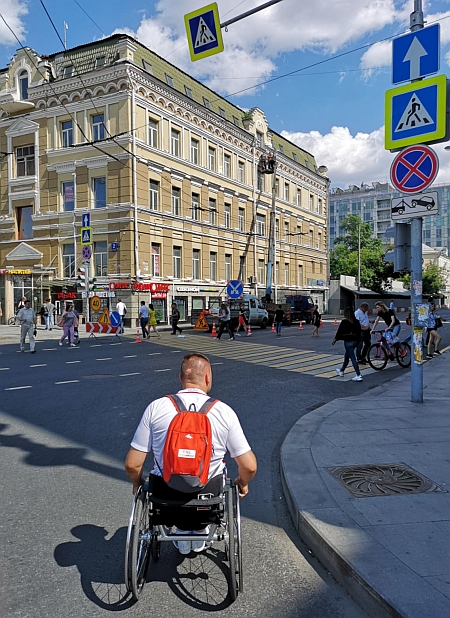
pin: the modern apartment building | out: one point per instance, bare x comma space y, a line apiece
167, 170
373, 205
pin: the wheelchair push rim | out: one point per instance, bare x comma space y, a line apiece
234, 543
138, 545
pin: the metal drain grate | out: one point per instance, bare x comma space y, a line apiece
374, 480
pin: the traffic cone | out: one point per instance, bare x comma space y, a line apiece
214, 332
335, 322
300, 326
273, 328
138, 337
321, 324
249, 330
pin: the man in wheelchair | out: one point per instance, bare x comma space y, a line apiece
179, 474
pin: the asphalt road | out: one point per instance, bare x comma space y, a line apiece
65, 497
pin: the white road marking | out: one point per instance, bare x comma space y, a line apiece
132, 356
4, 368
124, 375
175, 351
96, 345
102, 359
159, 370
216, 363
67, 382
155, 353
72, 362
49, 349
45, 365
17, 388
120, 343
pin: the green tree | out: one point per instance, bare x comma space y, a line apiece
434, 279
375, 273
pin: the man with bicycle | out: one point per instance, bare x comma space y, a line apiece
362, 316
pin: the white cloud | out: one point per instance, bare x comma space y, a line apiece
12, 11
379, 55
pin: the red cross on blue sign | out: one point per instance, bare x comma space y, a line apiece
414, 169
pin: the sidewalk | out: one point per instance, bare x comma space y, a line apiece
390, 551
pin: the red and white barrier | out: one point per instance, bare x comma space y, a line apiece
97, 327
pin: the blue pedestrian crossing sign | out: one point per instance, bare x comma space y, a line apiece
416, 113
203, 32
235, 289
86, 236
416, 54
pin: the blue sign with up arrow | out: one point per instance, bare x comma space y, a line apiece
415, 54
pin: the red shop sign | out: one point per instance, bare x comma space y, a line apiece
119, 285
151, 287
66, 295
159, 295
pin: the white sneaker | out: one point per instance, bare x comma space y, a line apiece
339, 372
237, 335
72, 345
199, 546
357, 378
184, 547
60, 343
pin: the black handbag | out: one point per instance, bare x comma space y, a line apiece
438, 323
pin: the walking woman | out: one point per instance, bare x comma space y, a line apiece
389, 317
68, 322
152, 321
349, 332
316, 321
242, 323
224, 317
433, 336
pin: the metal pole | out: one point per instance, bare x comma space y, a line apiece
87, 275
272, 240
359, 255
74, 176
251, 12
416, 297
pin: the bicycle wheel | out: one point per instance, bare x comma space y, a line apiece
377, 356
232, 547
403, 355
12, 321
140, 546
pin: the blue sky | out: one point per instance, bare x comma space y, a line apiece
334, 110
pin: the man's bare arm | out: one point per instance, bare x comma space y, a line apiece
133, 466
247, 467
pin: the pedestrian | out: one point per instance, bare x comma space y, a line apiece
389, 318
152, 320
279, 316
242, 322
21, 303
224, 321
76, 334
49, 311
28, 322
143, 317
68, 321
392, 306
121, 309
362, 315
349, 331
174, 319
434, 338
316, 318
226, 435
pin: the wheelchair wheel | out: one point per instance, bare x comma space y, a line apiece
155, 547
234, 546
377, 356
138, 548
403, 355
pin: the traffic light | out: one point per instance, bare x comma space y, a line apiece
401, 253
81, 279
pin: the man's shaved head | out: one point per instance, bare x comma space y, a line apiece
194, 368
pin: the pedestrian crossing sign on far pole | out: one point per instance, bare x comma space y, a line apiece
203, 32
416, 113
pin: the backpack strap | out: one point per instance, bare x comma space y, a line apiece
180, 407
177, 403
209, 403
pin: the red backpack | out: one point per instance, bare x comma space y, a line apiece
188, 446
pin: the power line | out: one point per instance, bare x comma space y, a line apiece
89, 17
51, 21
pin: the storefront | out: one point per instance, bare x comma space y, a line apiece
15, 283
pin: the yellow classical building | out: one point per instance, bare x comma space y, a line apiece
162, 172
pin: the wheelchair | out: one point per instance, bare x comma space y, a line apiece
151, 523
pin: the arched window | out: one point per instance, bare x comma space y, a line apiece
23, 85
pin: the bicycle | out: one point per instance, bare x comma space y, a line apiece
380, 352
13, 320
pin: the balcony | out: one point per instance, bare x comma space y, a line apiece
10, 102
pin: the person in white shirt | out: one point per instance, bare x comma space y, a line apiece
362, 316
121, 310
28, 321
227, 435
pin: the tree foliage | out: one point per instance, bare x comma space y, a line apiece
434, 279
375, 273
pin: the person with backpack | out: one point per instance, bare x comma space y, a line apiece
224, 319
68, 322
434, 338
174, 319
189, 434
316, 318
349, 332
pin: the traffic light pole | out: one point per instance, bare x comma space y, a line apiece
88, 287
416, 297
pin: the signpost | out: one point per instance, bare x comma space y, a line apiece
417, 205
414, 169
235, 289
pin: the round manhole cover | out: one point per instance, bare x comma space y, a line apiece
99, 376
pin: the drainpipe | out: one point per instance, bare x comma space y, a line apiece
255, 181
134, 172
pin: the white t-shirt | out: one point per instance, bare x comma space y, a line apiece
362, 317
227, 433
121, 308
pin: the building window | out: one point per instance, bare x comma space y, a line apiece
300, 275
68, 197
98, 127
213, 266
227, 215
241, 172
194, 151
25, 161
176, 201
294, 156
68, 261
313, 267
227, 165
286, 191
311, 203
24, 222
177, 262
188, 91
154, 195
100, 61
227, 266
156, 260
68, 71
311, 238
260, 139
298, 198
153, 133
286, 231
320, 206
206, 103
236, 121
241, 219
321, 268
195, 206
147, 67
212, 211
286, 273
67, 134
169, 80
99, 192
260, 271
260, 182
175, 142
196, 272
319, 240
211, 159
101, 258
281, 149
299, 235
23, 85
261, 225
222, 112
